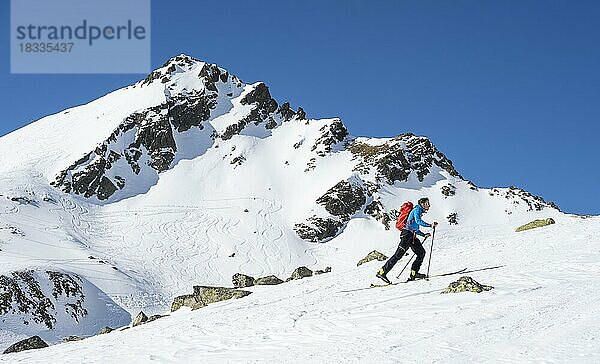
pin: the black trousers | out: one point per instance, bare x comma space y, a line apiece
408, 239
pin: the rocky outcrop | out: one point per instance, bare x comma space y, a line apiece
141, 318
241, 280
264, 106
317, 229
105, 330
155, 317
374, 255
344, 199
204, 295
376, 210
466, 284
268, 281
24, 200
535, 224
322, 271
300, 272
452, 218
395, 159
34, 342
332, 134
72, 338
144, 139
448, 190
519, 196
342, 202
22, 295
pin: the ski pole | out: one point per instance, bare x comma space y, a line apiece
430, 251
399, 274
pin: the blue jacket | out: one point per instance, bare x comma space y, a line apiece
414, 221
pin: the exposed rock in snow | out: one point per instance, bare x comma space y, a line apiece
452, 218
204, 295
376, 210
25, 295
396, 158
300, 272
374, 255
34, 342
268, 281
536, 224
448, 190
332, 135
155, 317
344, 199
141, 318
323, 271
105, 330
317, 229
466, 284
72, 338
241, 280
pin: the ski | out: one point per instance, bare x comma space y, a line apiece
431, 276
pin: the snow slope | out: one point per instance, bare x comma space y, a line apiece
202, 192
544, 308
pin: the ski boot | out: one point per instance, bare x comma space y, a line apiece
414, 275
381, 275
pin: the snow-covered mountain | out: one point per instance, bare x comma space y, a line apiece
192, 175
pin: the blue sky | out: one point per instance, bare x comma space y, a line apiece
509, 90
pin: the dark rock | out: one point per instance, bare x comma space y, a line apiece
237, 161
261, 96
466, 284
318, 229
268, 281
452, 218
448, 190
141, 318
343, 200
395, 159
204, 295
300, 115
286, 111
301, 272
105, 330
374, 255
331, 134
242, 280
271, 124
326, 270
376, 210
22, 200
188, 300
72, 338
155, 317
34, 342
185, 112
264, 105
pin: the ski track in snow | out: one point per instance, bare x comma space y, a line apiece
165, 247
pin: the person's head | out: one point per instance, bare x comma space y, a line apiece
424, 202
